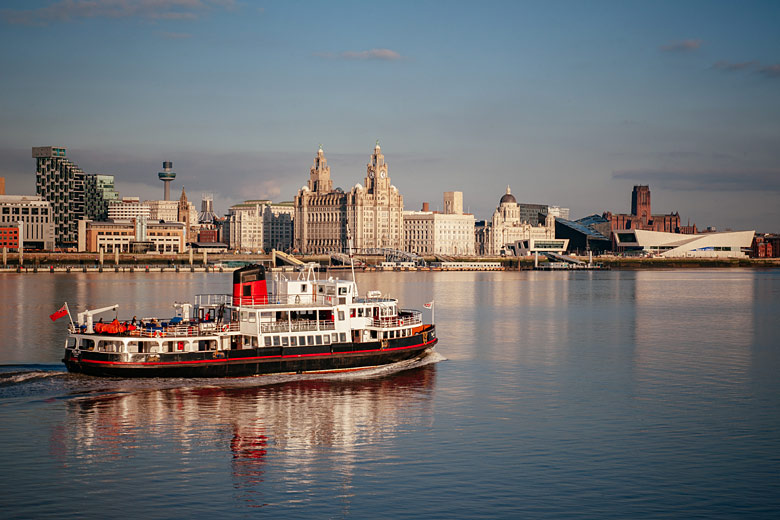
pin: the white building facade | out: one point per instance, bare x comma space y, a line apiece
734, 244
507, 227
448, 233
129, 208
33, 215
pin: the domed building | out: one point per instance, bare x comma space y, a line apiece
507, 227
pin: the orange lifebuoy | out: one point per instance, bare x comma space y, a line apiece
225, 328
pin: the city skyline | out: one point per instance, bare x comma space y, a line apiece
569, 103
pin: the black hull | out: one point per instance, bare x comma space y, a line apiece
250, 362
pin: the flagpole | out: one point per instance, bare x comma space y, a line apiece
69, 316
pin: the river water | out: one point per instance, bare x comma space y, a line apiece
634, 394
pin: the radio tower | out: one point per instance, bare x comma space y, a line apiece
167, 175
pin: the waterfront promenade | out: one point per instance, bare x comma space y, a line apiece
90, 262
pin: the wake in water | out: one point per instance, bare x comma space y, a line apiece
37, 381
21, 376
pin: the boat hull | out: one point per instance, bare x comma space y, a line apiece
250, 362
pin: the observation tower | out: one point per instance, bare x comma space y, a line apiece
167, 175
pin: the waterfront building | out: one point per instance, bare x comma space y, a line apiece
74, 194
431, 232
244, 225
766, 245
168, 211
256, 225
591, 233
129, 208
507, 227
131, 236
370, 213
99, 192
278, 226
60, 182
11, 236
734, 244
29, 219
641, 216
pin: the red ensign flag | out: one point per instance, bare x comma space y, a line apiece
60, 313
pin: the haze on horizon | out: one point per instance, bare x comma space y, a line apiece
569, 103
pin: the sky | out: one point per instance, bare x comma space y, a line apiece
570, 103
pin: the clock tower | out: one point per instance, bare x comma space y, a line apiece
377, 179
319, 175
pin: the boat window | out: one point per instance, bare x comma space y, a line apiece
360, 312
310, 340
243, 315
109, 346
342, 290
250, 341
319, 339
326, 339
71, 342
341, 315
373, 334
268, 341
252, 317
87, 344
266, 316
276, 341
285, 341
294, 341
132, 346
302, 341
334, 337
303, 287
343, 337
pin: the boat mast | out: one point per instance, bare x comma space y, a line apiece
351, 259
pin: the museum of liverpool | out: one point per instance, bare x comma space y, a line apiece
734, 244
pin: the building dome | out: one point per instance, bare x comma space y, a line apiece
508, 197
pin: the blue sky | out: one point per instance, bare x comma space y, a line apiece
569, 103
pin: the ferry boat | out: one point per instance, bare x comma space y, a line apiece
287, 324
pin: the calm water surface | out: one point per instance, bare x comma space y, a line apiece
650, 394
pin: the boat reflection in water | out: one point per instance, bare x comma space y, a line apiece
278, 441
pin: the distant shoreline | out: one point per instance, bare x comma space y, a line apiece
90, 262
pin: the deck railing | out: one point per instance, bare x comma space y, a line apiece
296, 326
405, 319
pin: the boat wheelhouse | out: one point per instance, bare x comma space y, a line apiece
285, 324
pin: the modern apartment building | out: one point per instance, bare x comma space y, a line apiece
73, 194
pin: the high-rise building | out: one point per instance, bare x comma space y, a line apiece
99, 192
74, 195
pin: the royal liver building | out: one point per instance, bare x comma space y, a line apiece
371, 213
